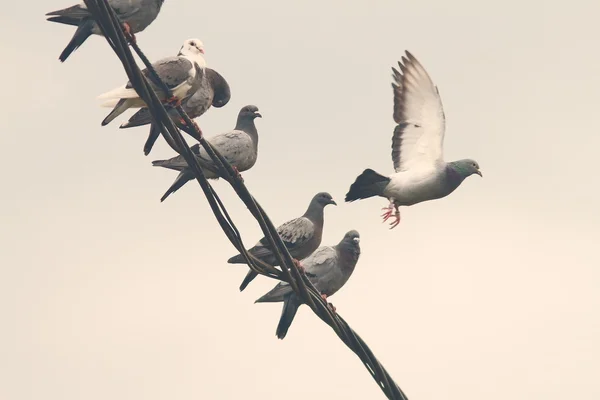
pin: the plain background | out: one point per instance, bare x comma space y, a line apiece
491, 293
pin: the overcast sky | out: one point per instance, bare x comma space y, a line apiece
491, 293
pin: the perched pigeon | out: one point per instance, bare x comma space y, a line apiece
420, 171
239, 147
301, 236
328, 268
214, 90
182, 74
136, 15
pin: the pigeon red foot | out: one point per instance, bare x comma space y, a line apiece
331, 306
173, 101
297, 264
239, 176
129, 33
391, 210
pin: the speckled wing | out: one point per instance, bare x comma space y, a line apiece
419, 136
235, 146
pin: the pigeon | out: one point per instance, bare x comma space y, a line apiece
214, 91
182, 74
421, 173
239, 147
301, 236
328, 268
136, 15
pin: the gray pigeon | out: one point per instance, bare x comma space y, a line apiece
136, 15
421, 173
301, 236
182, 74
328, 268
239, 147
214, 91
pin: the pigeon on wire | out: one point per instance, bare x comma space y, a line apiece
328, 268
136, 15
182, 74
301, 236
239, 147
421, 173
214, 91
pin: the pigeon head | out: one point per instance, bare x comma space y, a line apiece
249, 112
193, 48
351, 237
466, 167
349, 247
322, 199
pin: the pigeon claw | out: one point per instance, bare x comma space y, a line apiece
297, 264
324, 297
129, 33
239, 176
391, 211
195, 125
332, 307
173, 101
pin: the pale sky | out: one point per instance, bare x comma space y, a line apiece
490, 293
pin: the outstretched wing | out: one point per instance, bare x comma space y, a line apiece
419, 136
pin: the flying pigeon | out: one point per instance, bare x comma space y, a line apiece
182, 74
136, 15
328, 268
239, 147
301, 236
421, 173
214, 91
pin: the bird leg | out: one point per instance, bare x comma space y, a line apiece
297, 264
173, 101
392, 210
239, 176
129, 33
331, 306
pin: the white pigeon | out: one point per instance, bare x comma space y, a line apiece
182, 74
421, 173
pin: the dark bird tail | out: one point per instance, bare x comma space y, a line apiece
119, 109
183, 178
152, 137
84, 30
236, 260
367, 184
249, 278
142, 117
290, 307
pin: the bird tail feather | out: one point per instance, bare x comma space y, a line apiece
121, 92
183, 178
239, 259
152, 137
81, 34
121, 106
73, 12
249, 277
367, 184
290, 307
142, 117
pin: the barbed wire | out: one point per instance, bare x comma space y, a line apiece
112, 30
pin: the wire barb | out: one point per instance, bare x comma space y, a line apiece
111, 29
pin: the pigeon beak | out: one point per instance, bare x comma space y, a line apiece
202, 51
479, 173
257, 114
332, 202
